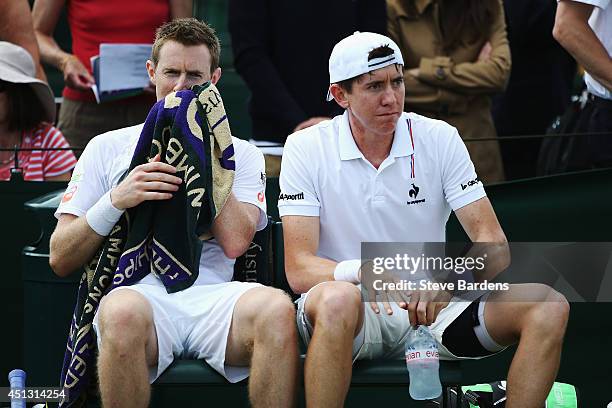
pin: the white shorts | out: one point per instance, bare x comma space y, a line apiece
193, 323
382, 335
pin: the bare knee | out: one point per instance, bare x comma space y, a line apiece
275, 321
336, 304
125, 320
549, 317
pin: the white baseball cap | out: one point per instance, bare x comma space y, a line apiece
349, 58
17, 66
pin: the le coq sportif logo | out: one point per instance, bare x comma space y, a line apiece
470, 183
413, 193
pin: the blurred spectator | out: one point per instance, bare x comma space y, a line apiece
281, 49
27, 109
584, 28
16, 27
540, 84
91, 23
456, 56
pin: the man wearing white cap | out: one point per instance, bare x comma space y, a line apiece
377, 174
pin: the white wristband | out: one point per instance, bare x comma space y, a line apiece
348, 271
103, 216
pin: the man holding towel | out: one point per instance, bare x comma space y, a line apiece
142, 327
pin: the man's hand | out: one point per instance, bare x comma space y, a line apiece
149, 181
367, 278
76, 75
310, 122
425, 306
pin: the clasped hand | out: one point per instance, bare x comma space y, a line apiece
149, 181
423, 306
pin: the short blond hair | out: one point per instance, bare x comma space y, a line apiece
188, 31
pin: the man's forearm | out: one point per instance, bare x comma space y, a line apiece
576, 36
73, 243
306, 271
495, 257
235, 226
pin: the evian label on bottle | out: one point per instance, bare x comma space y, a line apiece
413, 355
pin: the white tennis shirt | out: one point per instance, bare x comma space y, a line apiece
407, 199
108, 156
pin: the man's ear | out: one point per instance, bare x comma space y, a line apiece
151, 71
216, 76
340, 95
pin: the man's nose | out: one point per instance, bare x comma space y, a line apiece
181, 83
388, 97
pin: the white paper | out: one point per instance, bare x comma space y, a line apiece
123, 66
268, 148
94, 89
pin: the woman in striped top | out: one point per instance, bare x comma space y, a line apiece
27, 109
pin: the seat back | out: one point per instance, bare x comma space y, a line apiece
566, 207
18, 230
280, 279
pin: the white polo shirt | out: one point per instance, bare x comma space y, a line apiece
108, 156
407, 199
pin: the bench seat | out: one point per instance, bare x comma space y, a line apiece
194, 383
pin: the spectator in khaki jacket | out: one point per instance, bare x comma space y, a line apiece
456, 56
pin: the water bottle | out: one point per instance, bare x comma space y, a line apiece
17, 379
423, 362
